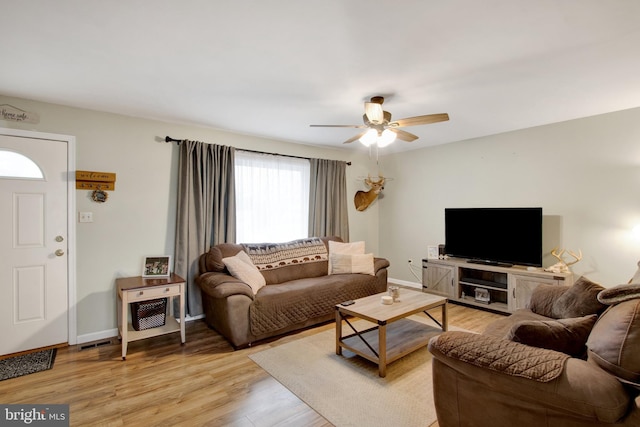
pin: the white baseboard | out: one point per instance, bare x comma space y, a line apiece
189, 318
97, 336
404, 283
110, 333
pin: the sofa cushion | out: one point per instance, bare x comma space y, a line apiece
346, 247
614, 343
349, 248
581, 299
213, 258
276, 307
347, 264
241, 267
543, 297
565, 335
501, 327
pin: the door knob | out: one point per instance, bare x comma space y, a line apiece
59, 252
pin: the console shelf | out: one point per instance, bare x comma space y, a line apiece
471, 301
484, 285
509, 288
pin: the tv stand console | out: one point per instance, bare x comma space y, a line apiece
495, 287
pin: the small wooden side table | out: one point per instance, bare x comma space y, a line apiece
136, 289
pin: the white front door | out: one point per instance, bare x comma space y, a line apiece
34, 291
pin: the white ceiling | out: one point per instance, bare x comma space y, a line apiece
273, 67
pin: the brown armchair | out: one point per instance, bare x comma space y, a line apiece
498, 380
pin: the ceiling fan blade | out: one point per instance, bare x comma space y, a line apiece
373, 111
420, 120
404, 135
354, 138
337, 126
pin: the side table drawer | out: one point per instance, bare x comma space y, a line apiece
158, 292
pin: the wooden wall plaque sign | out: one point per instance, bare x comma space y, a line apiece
89, 180
95, 176
9, 112
89, 185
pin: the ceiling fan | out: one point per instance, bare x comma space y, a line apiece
381, 130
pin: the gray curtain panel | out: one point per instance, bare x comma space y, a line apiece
328, 214
206, 209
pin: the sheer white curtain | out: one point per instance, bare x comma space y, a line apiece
272, 197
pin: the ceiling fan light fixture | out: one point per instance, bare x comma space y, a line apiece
386, 137
374, 112
381, 129
369, 137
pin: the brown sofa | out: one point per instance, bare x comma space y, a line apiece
297, 293
548, 365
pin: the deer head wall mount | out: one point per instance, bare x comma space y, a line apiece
562, 266
363, 199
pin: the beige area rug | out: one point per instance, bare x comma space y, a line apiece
346, 390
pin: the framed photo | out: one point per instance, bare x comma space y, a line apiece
156, 266
432, 252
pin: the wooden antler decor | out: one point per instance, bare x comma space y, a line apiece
363, 199
562, 266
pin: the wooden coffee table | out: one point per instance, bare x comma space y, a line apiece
394, 336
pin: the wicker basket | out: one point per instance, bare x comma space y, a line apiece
148, 314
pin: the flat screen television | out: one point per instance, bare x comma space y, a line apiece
495, 235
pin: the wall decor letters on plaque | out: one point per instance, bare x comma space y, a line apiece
96, 181
9, 112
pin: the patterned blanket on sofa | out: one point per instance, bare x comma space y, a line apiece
269, 256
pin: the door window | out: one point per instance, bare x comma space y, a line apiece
16, 165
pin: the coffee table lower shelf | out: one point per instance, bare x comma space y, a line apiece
402, 337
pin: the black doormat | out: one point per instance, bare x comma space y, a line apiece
27, 364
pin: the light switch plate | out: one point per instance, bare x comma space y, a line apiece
85, 217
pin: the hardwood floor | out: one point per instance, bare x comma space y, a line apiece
202, 383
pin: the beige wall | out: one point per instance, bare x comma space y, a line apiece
584, 173
139, 217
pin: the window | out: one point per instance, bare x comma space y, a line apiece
272, 197
15, 165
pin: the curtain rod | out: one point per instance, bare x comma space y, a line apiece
169, 139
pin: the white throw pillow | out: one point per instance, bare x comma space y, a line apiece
243, 256
347, 263
241, 267
351, 248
